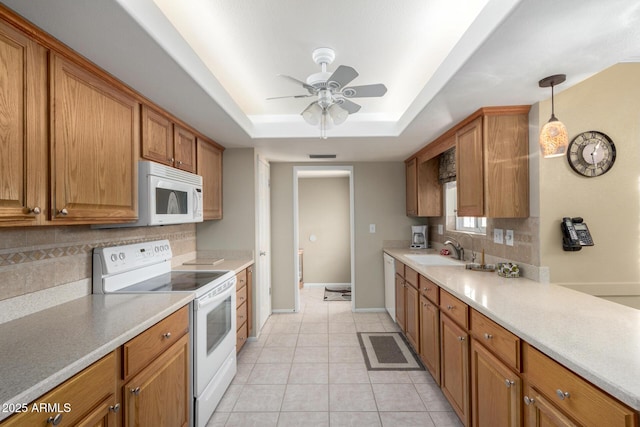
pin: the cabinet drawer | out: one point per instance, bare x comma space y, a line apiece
454, 308
241, 316
429, 290
241, 337
399, 268
411, 276
141, 350
241, 279
241, 296
73, 399
497, 339
572, 394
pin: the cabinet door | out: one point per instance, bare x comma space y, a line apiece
455, 367
157, 137
249, 301
429, 188
495, 390
23, 134
400, 303
541, 413
103, 415
470, 169
413, 317
94, 147
210, 168
158, 396
412, 188
430, 337
184, 148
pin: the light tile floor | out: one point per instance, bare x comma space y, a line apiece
307, 369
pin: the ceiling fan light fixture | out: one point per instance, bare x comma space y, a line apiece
312, 114
554, 138
338, 114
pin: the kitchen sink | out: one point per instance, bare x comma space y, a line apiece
433, 260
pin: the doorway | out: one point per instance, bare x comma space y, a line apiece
310, 237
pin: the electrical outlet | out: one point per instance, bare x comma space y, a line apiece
372, 228
508, 237
440, 229
498, 235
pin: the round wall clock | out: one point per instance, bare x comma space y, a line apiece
591, 153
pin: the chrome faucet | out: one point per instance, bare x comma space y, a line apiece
456, 247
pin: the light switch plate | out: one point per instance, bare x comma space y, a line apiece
440, 229
498, 235
508, 237
372, 228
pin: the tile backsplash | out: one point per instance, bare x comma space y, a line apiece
33, 259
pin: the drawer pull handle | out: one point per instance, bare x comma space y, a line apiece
529, 401
55, 420
460, 339
63, 212
509, 382
487, 336
450, 307
426, 289
135, 391
114, 408
562, 395
167, 335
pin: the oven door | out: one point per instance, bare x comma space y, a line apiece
215, 334
173, 202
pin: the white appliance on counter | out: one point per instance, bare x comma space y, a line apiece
390, 285
166, 195
146, 267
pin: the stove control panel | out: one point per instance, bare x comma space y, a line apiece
118, 259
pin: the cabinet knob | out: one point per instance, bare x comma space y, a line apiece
529, 401
171, 159
509, 382
426, 289
63, 212
562, 395
449, 307
167, 335
135, 391
461, 339
55, 420
114, 408
179, 162
35, 211
487, 336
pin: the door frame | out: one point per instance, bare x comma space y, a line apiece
263, 261
296, 243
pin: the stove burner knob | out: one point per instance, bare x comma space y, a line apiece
121, 255
157, 249
114, 257
166, 247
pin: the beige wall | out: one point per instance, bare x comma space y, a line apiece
37, 258
379, 199
236, 229
323, 211
610, 204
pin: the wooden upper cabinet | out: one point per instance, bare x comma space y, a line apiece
492, 164
210, 168
95, 141
167, 143
157, 137
184, 148
429, 187
23, 134
412, 187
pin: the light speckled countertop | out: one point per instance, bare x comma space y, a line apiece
596, 338
44, 349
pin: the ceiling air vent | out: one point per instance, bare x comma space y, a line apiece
322, 156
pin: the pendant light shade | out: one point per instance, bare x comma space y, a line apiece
554, 138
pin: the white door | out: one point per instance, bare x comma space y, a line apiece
263, 284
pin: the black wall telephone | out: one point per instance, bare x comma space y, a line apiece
575, 234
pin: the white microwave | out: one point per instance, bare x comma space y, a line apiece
167, 195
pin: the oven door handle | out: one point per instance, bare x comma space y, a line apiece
216, 295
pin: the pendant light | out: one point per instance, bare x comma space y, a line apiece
554, 139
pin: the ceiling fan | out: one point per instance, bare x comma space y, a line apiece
332, 104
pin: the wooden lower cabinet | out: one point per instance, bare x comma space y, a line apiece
400, 302
430, 337
244, 282
541, 413
158, 395
496, 391
86, 399
454, 372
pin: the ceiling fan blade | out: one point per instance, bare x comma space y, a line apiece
300, 82
342, 76
350, 106
366, 91
291, 96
